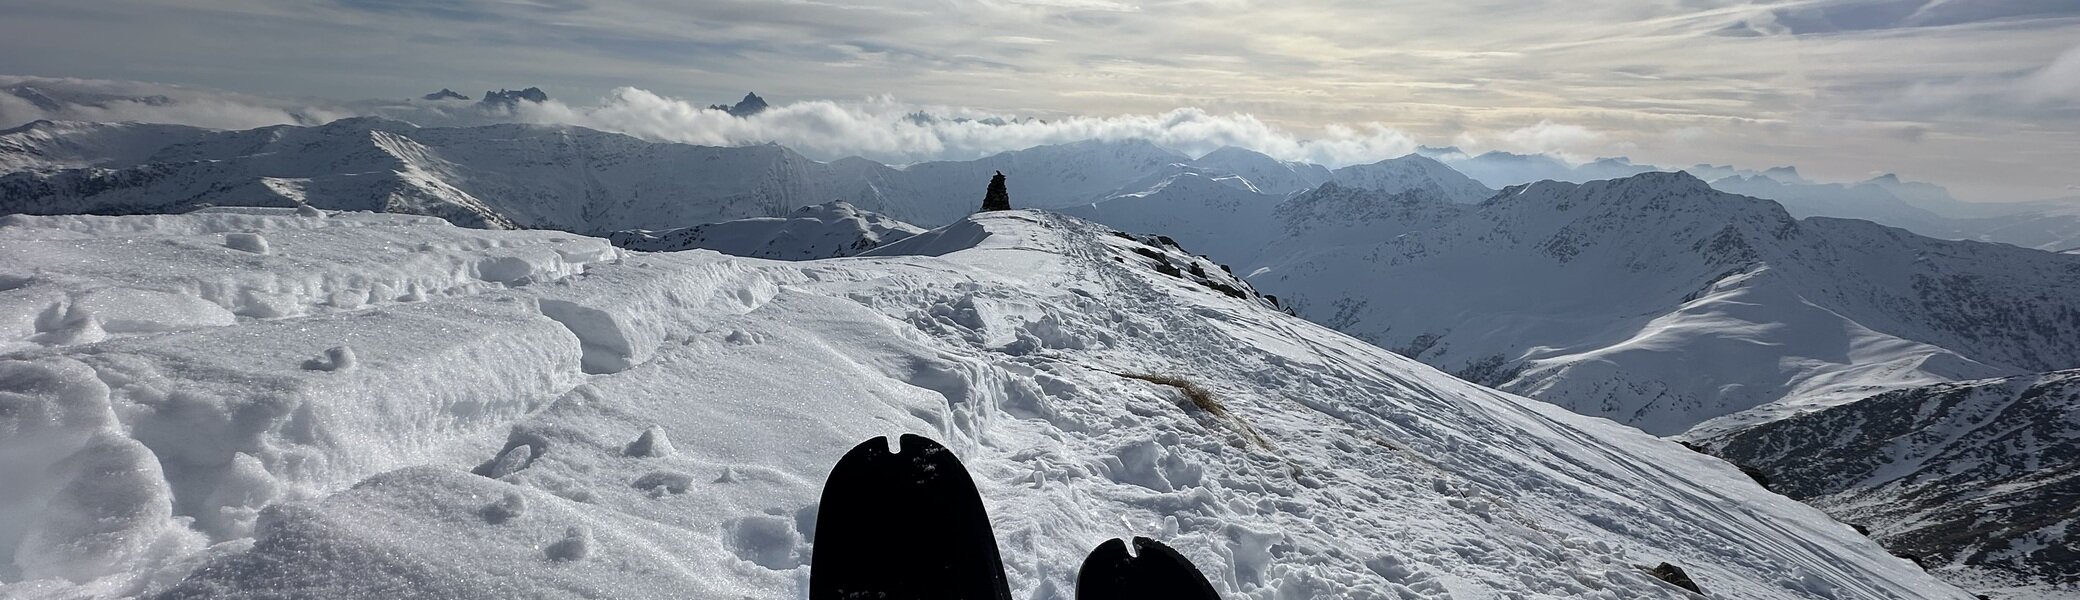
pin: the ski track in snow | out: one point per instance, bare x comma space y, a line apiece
536, 414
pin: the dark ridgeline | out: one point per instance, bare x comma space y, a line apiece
997, 198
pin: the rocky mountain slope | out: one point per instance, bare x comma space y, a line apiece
1975, 479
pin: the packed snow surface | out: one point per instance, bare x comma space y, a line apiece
540, 415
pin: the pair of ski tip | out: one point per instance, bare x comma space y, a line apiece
911, 526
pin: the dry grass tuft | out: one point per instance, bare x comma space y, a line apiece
1205, 402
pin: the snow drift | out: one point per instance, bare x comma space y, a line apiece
538, 414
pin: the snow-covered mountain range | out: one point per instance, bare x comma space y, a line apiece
1975, 479
1230, 218
252, 403
1919, 207
529, 176
565, 178
1660, 302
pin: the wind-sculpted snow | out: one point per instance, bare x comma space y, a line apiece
594, 423
1657, 301
1976, 479
830, 230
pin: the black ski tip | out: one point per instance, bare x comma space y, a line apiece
907, 526
1154, 570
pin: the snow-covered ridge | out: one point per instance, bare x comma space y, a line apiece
505, 176
829, 230
1976, 479
638, 425
1411, 173
1658, 301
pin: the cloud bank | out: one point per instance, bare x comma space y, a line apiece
25, 99
888, 130
881, 128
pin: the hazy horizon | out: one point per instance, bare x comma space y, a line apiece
1982, 99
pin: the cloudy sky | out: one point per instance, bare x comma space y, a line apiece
1982, 96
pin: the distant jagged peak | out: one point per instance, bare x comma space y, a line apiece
504, 98
750, 105
1885, 179
444, 94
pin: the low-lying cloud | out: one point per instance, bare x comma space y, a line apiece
882, 128
891, 131
25, 99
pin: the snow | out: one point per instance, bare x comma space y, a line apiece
654, 443
1414, 172
831, 230
1265, 174
76, 144
1973, 477
246, 241
221, 468
1659, 302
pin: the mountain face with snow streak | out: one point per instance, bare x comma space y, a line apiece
1221, 215
1265, 174
1976, 479
248, 404
1659, 302
829, 230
